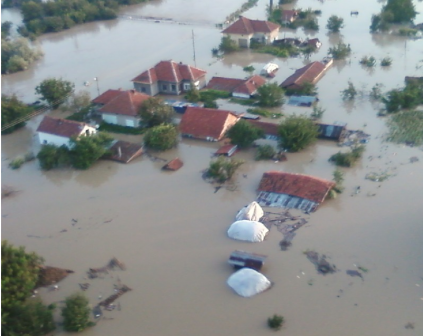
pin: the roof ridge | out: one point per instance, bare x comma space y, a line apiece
172, 63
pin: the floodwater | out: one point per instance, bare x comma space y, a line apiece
170, 228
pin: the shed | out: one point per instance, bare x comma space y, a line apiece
240, 259
123, 151
331, 131
227, 150
173, 165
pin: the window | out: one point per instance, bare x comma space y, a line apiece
44, 142
164, 87
173, 86
143, 89
187, 86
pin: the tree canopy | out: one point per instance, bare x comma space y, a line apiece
270, 95
228, 45
86, 150
243, 134
397, 11
54, 91
17, 55
161, 137
297, 133
154, 112
12, 109
335, 23
76, 313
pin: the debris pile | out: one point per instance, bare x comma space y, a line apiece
322, 265
113, 264
50, 275
119, 292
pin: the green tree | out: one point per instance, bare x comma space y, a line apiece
270, 95
275, 322
76, 313
400, 10
5, 29
265, 152
228, 45
340, 51
86, 150
306, 89
161, 137
32, 10
244, 134
317, 112
51, 156
350, 92
12, 109
222, 169
335, 23
193, 94
154, 112
297, 133
16, 55
338, 177
54, 91
348, 159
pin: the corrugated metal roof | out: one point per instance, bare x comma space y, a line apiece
285, 201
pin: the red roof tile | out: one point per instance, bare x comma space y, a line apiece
310, 73
267, 127
174, 164
246, 26
170, 71
247, 86
308, 187
123, 151
127, 103
201, 123
61, 127
105, 97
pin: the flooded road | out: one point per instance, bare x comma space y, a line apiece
170, 228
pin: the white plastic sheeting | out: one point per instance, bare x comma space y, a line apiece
251, 231
252, 212
247, 282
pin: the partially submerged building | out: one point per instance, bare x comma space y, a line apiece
331, 131
206, 123
281, 189
173, 165
270, 129
123, 151
240, 88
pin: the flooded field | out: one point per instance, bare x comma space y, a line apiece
170, 228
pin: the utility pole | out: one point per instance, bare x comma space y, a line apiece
271, 7
193, 48
98, 89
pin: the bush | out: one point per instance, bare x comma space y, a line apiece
317, 112
154, 112
209, 95
265, 152
76, 313
161, 137
368, 61
86, 150
16, 163
270, 95
350, 92
347, 159
297, 133
227, 45
387, 61
243, 134
340, 51
376, 91
275, 322
335, 23
222, 169
338, 177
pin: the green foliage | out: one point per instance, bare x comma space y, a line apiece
264, 113
408, 98
335, 23
19, 275
400, 10
275, 15
275, 322
245, 6
368, 61
406, 127
265, 152
5, 29
270, 95
161, 137
113, 128
227, 45
376, 91
338, 177
297, 133
311, 24
154, 112
244, 134
16, 55
222, 169
54, 91
79, 101
347, 159
210, 104
250, 69
272, 50
317, 112
86, 150
306, 89
208, 95
193, 95
17, 163
12, 109
350, 92
404, 31
51, 156
379, 22
340, 51
386, 61
76, 313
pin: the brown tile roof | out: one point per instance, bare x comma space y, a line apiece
226, 149
200, 122
308, 187
170, 71
174, 164
107, 96
248, 86
267, 127
124, 151
127, 103
61, 127
246, 26
310, 73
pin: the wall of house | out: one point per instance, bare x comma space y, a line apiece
240, 95
149, 89
169, 87
50, 139
243, 41
267, 38
122, 120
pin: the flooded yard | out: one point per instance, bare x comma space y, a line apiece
169, 228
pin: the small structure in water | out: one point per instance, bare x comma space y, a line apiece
173, 165
227, 150
269, 70
123, 151
240, 259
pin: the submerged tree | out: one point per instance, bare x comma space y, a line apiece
86, 150
243, 134
162, 137
154, 112
228, 45
13, 110
297, 133
54, 91
222, 169
270, 95
399, 11
76, 313
335, 23
340, 51
350, 92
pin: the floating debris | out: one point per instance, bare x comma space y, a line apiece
322, 265
378, 177
84, 286
97, 311
409, 325
414, 159
120, 291
49, 275
355, 273
113, 263
7, 191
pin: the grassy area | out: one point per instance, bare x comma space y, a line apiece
406, 127
209, 95
264, 113
242, 101
105, 127
78, 116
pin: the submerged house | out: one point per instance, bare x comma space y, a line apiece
244, 30
122, 109
240, 88
270, 129
304, 192
56, 131
169, 77
311, 73
331, 131
206, 123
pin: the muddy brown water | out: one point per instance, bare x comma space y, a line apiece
170, 228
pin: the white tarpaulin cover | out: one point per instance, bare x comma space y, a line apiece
248, 282
252, 212
248, 230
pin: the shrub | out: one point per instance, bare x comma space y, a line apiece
368, 61
347, 159
243, 134
17, 163
270, 95
317, 112
335, 23
275, 322
338, 177
264, 113
265, 152
340, 51
387, 61
227, 45
297, 132
222, 169
76, 313
376, 91
161, 137
350, 92
51, 156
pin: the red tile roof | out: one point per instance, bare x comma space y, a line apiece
310, 73
170, 71
174, 164
201, 123
248, 86
61, 127
123, 151
126, 103
267, 127
105, 97
308, 187
246, 26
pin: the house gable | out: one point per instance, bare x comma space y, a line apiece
127, 103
